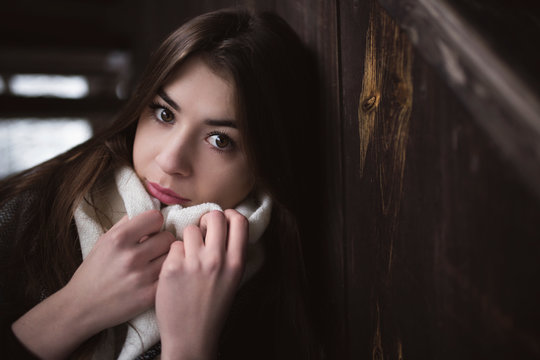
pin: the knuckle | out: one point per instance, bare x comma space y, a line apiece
170, 269
231, 212
154, 215
151, 218
236, 265
192, 266
213, 263
191, 230
235, 216
135, 280
176, 246
214, 215
130, 261
117, 237
139, 277
242, 220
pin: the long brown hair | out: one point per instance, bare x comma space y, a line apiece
269, 67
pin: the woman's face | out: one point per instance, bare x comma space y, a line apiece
188, 148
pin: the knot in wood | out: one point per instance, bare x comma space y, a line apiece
369, 104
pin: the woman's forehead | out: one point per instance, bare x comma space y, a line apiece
196, 86
203, 60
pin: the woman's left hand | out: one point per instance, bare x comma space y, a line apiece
197, 284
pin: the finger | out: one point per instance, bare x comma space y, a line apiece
116, 227
146, 223
177, 251
154, 267
215, 224
156, 245
172, 262
193, 240
121, 222
238, 236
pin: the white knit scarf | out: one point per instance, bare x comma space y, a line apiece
127, 195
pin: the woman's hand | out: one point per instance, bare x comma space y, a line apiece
119, 275
116, 281
197, 284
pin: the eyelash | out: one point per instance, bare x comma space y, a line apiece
156, 105
231, 146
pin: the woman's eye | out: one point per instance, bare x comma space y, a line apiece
163, 114
220, 141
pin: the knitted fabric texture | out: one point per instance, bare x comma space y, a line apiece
127, 195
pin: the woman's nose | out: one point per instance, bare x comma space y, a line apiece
176, 155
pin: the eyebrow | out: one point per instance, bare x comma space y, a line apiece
225, 123
168, 100
210, 122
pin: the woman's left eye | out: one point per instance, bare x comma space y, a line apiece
220, 141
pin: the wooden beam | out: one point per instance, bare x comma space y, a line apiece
501, 101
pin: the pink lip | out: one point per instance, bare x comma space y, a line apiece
165, 195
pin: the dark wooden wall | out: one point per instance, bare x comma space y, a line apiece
440, 212
432, 244
432, 208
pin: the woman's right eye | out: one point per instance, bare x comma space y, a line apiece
164, 115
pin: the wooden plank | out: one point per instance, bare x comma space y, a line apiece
441, 234
465, 284
317, 23
377, 100
359, 275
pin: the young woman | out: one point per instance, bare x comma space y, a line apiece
211, 149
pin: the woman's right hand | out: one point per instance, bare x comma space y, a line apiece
118, 278
115, 282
